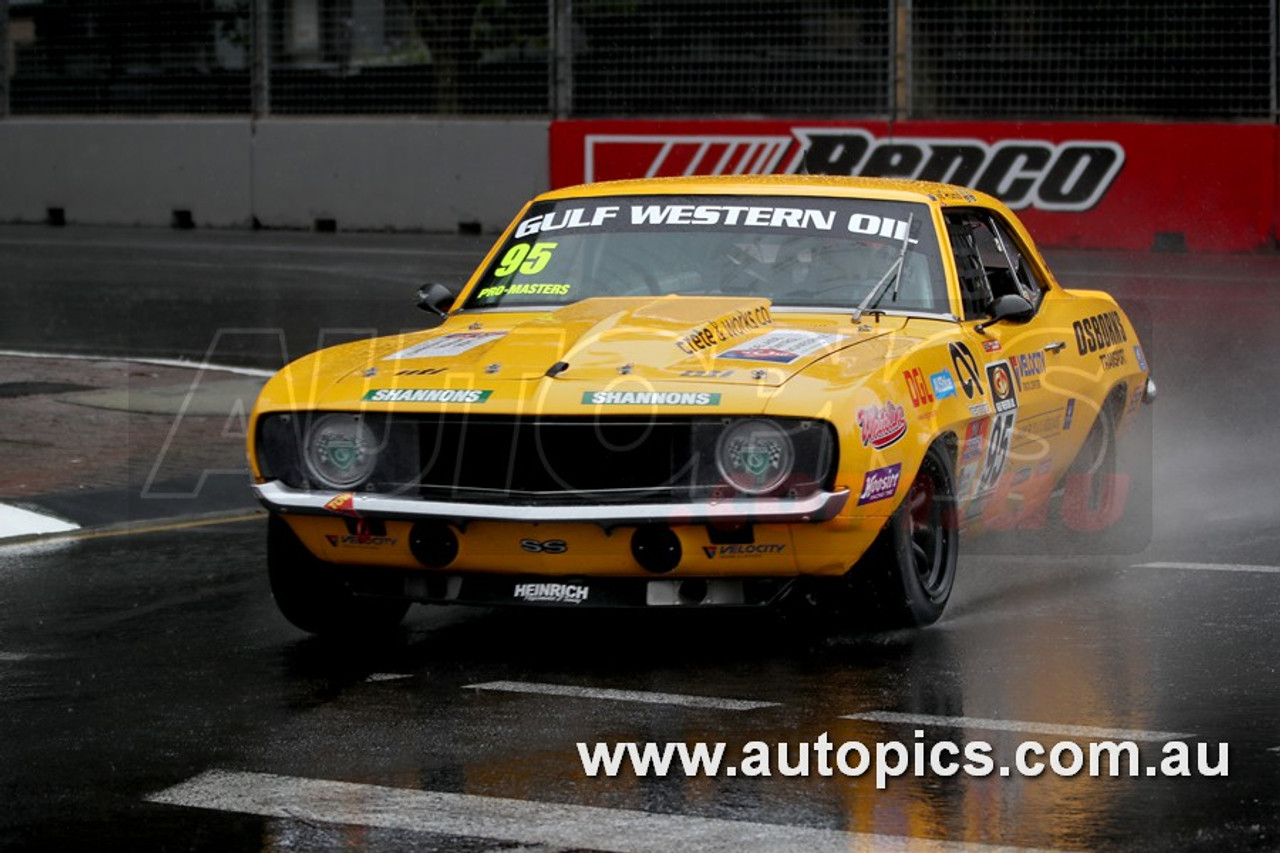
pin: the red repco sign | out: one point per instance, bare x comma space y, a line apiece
1075, 184
1065, 176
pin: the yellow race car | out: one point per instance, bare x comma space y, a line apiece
696, 392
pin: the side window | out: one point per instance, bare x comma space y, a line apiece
964, 230
988, 262
1024, 277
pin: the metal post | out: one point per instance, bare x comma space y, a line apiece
560, 62
900, 33
4, 58
1275, 48
260, 67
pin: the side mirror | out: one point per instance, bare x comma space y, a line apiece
435, 298
1011, 307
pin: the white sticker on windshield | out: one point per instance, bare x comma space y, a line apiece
446, 345
781, 347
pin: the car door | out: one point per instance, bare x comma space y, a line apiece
1008, 455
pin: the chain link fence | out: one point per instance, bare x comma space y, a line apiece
976, 59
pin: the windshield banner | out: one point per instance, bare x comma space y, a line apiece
1085, 185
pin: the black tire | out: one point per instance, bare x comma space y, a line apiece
905, 578
311, 595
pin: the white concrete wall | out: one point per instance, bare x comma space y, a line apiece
403, 174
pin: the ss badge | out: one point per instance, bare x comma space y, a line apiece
550, 546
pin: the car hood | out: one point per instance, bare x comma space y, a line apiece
659, 339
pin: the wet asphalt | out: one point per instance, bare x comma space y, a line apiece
134, 662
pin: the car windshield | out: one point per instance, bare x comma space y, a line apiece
801, 252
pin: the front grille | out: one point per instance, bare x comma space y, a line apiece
590, 459
549, 461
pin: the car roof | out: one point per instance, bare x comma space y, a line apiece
929, 192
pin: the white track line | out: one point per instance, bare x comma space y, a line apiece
157, 362
623, 695
1211, 567
15, 521
518, 821
1016, 726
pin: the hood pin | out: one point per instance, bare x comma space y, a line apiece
493, 368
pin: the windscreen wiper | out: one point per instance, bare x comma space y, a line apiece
892, 274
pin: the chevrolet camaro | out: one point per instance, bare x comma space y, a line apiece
697, 392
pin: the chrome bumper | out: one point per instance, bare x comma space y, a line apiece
1149, 391
820, 506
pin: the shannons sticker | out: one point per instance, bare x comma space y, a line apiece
427, 395
650, 398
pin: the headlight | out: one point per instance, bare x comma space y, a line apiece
755, 456
340, 451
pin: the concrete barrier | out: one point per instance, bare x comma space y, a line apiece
351, 174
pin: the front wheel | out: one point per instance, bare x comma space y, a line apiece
905, 579
310, 594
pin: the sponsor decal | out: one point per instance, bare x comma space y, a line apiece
1099, 332
1004, 397
991, 346
1049, 423
559, 220
650, 398
918, 388
966, 367
552, 593
975, 435
725, 328
546, 546
426, 371
427, 395
523, 289
1069, 414
1021, 476
781, 347
967, 479
979, 410
446, 345
358, 541
943, 385
1069, 176
1026, 368
880, 484
707, 374
1135, 399
730, 552
1112, 359
343, 504
1142, 359
882, 426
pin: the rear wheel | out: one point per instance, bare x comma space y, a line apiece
311, 595
905, 579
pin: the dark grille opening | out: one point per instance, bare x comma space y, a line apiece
563, 457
